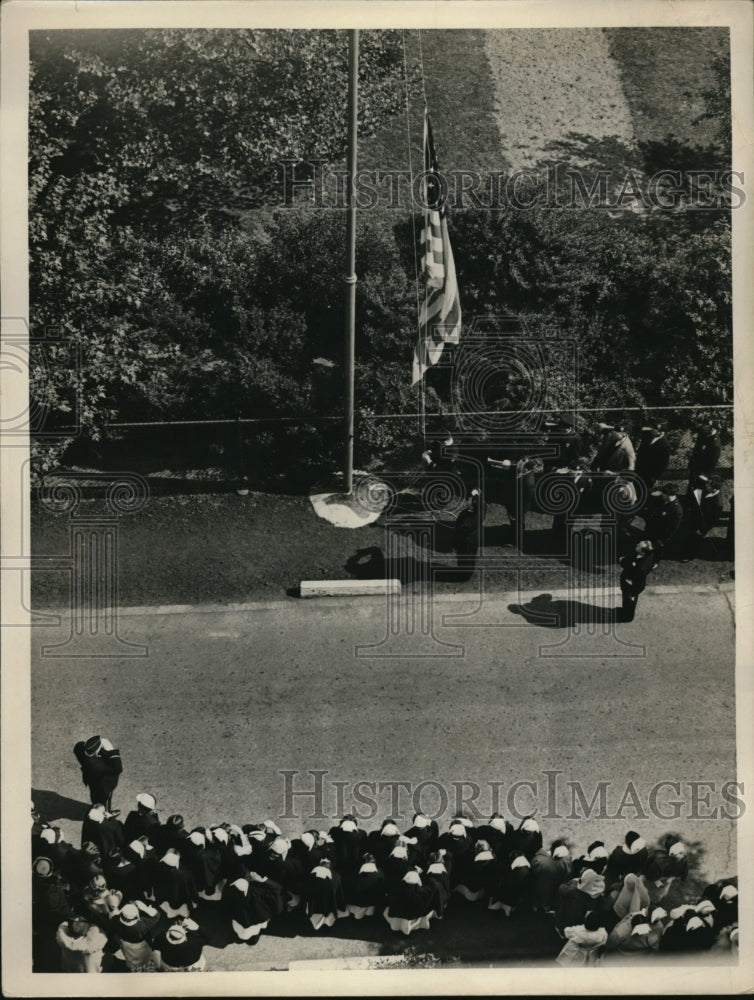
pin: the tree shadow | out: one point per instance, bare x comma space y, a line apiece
548, 613
52, 806
611, 152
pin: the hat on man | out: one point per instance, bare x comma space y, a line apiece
92, 746
42, 867
176, 934
129, 914
137, 847
279, 846
146, 801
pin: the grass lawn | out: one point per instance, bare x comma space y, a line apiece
220, 547
461, 101
665, 73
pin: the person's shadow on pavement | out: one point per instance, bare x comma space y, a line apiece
548, 613
370, 564
51, 806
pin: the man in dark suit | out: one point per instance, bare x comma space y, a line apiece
706, 453
565, 439
663, 516
705, 507
142, 820
653, 456
101, 766
633, 579
466, 537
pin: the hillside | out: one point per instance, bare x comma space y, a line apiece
508, 99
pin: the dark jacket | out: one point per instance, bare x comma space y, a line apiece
661, 864
704, 457
324, 895
622, 863
140, 824
636, 568
407, 901
348, 848
653, 458
174, 886
180, 956
250, 902
99, 773
547, 875
705, 512
365, 889
568, 445
662, 521
106, 835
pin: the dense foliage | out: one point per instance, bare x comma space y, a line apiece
159, 248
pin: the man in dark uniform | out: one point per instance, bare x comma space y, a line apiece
466, 532
653, 456
142, 820
582, 483
633, 579
663, 516
705, 455
101, 766
565, 439
511, 480
705, 507
442, 454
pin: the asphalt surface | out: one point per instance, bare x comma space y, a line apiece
227, 700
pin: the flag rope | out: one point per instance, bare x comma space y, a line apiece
422, 402
421, 67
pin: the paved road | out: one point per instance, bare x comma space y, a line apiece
226, 700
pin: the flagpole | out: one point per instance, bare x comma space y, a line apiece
423, 410
350, 276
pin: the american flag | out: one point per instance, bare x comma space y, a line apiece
440, 313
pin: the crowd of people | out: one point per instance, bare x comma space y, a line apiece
621, 479
140, 890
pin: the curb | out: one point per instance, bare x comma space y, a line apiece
330, 600
349, 588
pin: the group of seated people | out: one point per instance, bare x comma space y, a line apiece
139, 890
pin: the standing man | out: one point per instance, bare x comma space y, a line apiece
663, 516
466, 538
101, 766
653, 456
705, 508
565, 440
706, 453
615, 453
633, 579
